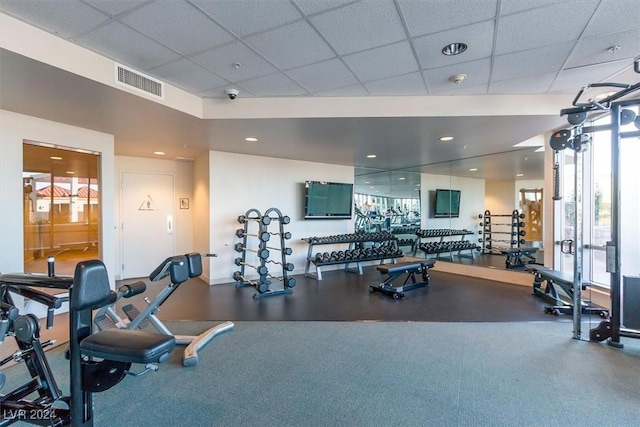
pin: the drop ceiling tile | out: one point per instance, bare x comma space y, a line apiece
244, 17
116, 7
515, 6
121, 43
460, 90
614, 15
595, 50
477, 74
406, 85
382, 62
576, 78
359, 26
354, 90
310, 7
531, 62
64, 19
291, 46
478, 38
428, 17
323, 75
544, 26
532, 84
273, 85
178, 26
220, 60
188, 76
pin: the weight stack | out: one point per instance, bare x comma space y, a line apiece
631, 302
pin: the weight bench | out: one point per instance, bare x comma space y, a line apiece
519, 257
396, 270
558, 284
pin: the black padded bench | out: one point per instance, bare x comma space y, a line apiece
410, 283
519, 257
558, 284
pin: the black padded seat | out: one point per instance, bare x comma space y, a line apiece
405, 267
129, 346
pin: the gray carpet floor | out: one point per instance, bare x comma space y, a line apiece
379, 374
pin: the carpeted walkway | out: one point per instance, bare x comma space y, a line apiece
380, 374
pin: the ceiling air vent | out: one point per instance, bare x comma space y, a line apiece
138, 81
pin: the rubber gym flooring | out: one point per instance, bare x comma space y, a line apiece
345, 296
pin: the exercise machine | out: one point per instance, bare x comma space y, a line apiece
98, 361
180, 269
407, 269
558, 288
577, 138
519, 257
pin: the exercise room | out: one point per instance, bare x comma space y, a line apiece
319, 212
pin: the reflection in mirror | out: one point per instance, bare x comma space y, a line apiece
500, 184
386, 200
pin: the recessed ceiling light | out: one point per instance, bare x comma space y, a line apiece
519, 174
251, 139
159, 153
454, 49
402, 178
371, 156
446, 138
473, 169
55, 158
367, 182
70, 172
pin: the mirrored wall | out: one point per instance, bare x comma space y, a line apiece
461, 211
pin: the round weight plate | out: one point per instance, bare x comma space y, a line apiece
560, 139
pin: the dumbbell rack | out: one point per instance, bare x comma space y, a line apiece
263, 254
443, 246
404, 230
515, 232
387, 240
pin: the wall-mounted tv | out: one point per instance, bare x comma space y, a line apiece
446, 204
328, 200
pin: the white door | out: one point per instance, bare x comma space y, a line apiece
147, 222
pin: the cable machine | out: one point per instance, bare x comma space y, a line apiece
578, 139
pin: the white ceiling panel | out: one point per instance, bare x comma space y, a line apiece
360, 26
188, 76
407, 85
478, 38
458, 90
614, 15
273, 85
383, 62
119, 42
66, 19
428, 17
354, 90
572, 80
221, 60
115, 7
477, 74
531, 62
310, 7
178, 26
515, 6
244, 17
531, 84
595, 50
323, 75
291, 46
544, 26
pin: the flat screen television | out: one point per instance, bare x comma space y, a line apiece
328, 200
447, 204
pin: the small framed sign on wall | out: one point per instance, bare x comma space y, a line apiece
184, 203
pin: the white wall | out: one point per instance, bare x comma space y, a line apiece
499, 197
183, 177
241, 182
14, 129
472, 201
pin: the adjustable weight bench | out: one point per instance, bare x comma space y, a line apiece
410, 283
558, 288
519, 257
